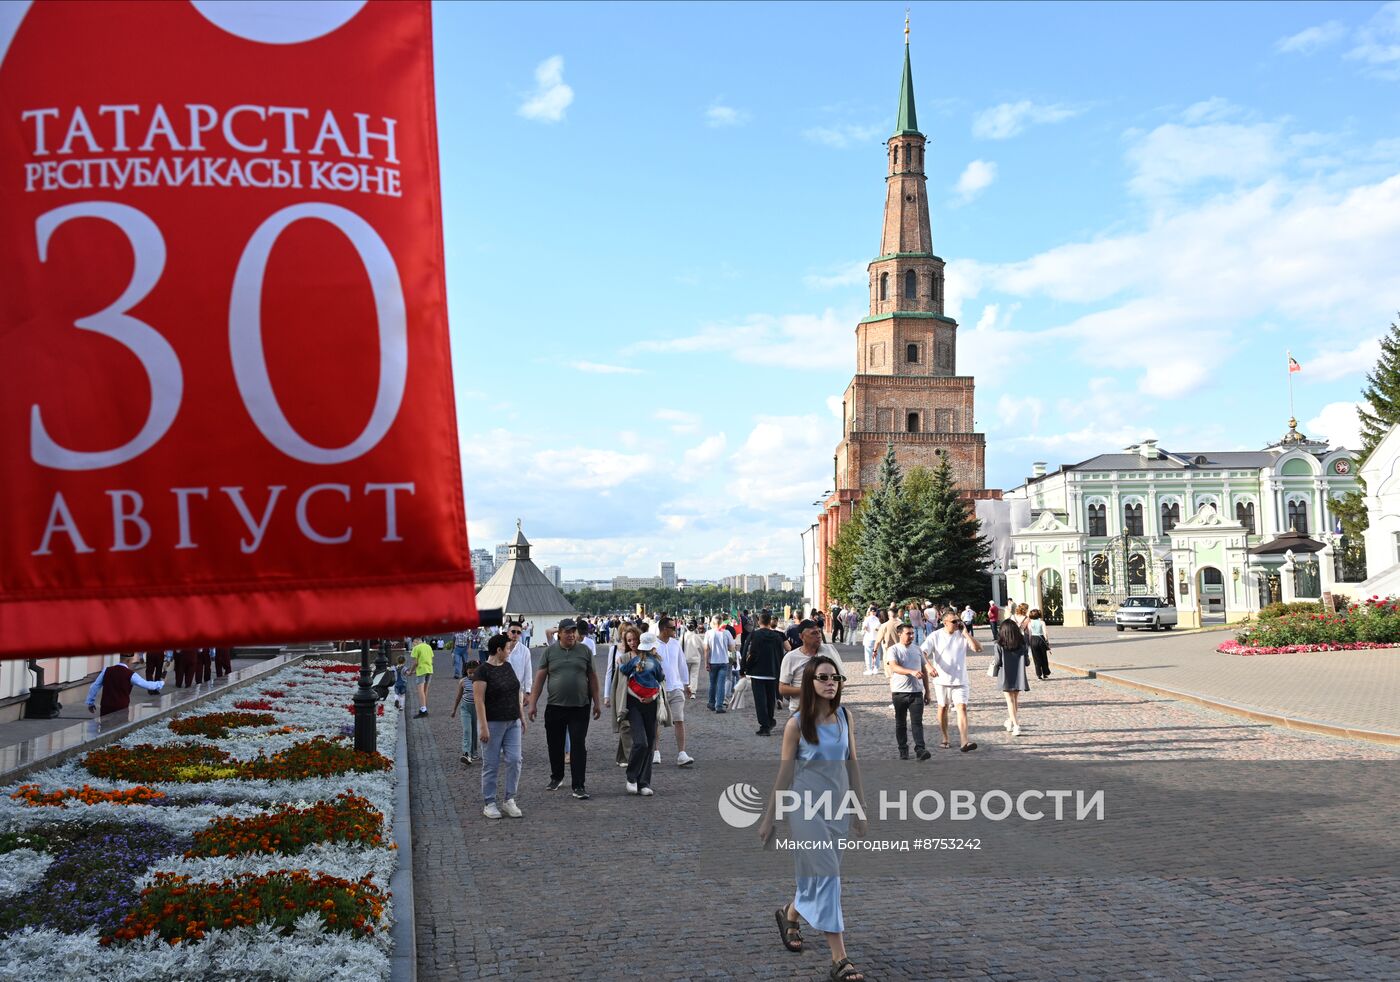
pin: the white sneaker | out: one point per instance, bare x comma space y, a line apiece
684, 759
631, 787
491, 811
1015, 731
646, 792
656, 757
512, 809
622, 763
1007, 725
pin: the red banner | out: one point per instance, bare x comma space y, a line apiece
226, 412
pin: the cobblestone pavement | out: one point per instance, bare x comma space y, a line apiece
616, 886
1356, 689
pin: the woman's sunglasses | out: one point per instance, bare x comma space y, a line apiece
825, 677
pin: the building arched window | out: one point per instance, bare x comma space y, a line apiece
911, 422
884, 286
1098, 519
896, 157
1298, 516
1132, 519
1244, 514
1171, 514
1210, 576
911, 353
911, 284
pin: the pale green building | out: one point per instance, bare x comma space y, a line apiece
1217, 533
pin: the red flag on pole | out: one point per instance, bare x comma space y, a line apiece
1293, 365
227, 409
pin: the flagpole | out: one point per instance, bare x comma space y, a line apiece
1289, 365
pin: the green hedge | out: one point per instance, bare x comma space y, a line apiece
1376, 621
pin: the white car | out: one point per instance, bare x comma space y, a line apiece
1140, 612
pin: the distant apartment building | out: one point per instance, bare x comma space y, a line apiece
502, 553
668, 575
574, 586
775, 581
636, 582
553, 575
482, 565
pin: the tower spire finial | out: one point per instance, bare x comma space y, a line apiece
906, 27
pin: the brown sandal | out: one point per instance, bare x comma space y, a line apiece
844, 971
790, 932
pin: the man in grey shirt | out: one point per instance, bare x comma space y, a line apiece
908, 672
568, 667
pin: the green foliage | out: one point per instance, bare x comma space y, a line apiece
696, 600
1281, 609
1378, 412
1376, 622
884, 569
915, 540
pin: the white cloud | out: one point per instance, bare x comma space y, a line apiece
793, 341
1378, 43
596, 368
707, 451
586, 468
551, 96
834, 406
718, 115
1010, 118
1310, 39
851, 274
784, 463
1338, 424
1332, 365
1175, 156
843, 135
1020, 411
975, 178
679, 420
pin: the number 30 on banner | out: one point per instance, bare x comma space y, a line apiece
162, 366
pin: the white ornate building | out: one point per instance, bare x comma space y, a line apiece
1217, 533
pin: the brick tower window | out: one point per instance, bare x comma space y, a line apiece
911, 354
911, 422
884, 286
911, 284
896, 156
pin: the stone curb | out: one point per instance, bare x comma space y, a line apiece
403, 963
1235, 709
256, 673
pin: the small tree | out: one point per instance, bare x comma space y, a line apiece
1379, 411
953, 553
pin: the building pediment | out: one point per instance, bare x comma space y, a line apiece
1207, 517
1048, 521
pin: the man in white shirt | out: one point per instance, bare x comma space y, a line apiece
693, 644
967, 618
677, 684
908, 671
870, 630
518, 657
790, 673
947, 653
718, 644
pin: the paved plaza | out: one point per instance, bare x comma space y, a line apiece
617, 886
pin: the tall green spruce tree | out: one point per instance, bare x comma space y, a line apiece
884, 567
1379, 411
916, 540
952, 552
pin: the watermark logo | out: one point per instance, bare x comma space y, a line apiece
740, 805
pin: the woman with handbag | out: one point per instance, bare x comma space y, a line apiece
644, 680
614, 687
1013, 655
1040, 644
818, 758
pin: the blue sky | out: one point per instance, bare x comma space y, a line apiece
658, 219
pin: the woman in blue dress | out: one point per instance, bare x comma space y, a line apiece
819, 756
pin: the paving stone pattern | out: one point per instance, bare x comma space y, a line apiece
614, 887
1356, 689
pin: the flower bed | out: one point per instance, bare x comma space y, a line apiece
1285, 628
289, 831
215, 726
166, 856
255, 704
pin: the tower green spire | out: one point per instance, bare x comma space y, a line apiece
906, 122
